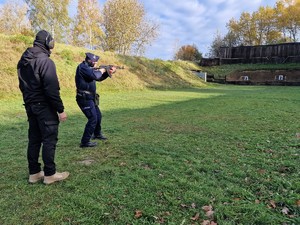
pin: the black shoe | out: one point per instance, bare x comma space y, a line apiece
89, 144
99, 137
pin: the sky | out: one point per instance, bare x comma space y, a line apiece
190, 22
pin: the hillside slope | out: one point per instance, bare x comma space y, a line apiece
139, 72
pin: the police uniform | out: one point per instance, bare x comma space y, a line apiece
87, 98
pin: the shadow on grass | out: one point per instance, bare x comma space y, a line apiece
166, 159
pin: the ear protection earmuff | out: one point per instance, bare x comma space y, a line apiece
49, 41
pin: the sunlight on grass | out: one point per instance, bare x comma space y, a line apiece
179, 151
171, 155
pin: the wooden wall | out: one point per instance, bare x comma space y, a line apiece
261, 51
277, 53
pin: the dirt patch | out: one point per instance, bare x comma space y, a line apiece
268, 77
87, 162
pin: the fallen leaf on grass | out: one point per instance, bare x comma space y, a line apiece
205, 222
138, 214
183, 205
167, 213
209, 214
147, 167
298, 203
208, 210
272, 204
269, 151
285, 211
161, 220
284, 169
196, 217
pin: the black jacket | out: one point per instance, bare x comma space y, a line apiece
86, 78
38, 79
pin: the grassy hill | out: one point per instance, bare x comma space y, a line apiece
139, 72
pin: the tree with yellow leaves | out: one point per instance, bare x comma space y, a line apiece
266, 30
51, 15
13, 18
125, 26
288, 18
87, 30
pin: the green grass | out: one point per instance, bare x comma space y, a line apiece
139, 73
169, 154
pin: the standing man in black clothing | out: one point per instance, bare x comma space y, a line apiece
87, 98
39, 85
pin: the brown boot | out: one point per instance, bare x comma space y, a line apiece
33, 178
56, 177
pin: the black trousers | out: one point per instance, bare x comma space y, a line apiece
94, 116
42, 133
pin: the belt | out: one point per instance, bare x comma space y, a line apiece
35, 103
85, 92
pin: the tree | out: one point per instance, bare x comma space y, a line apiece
126, 28
218, 42
51, 15
288, 17
231, 39
188, 53
248, 29
267, 25
147, 34
13, 18
266, 30
87, 26
234, 34
253, 29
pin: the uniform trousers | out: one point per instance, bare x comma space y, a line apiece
94, 116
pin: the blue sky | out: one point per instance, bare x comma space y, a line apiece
184, 22
193, 22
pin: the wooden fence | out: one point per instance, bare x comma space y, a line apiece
277, 53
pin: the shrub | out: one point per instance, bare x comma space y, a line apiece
66, 55
15, 39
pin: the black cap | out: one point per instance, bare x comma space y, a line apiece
92, 57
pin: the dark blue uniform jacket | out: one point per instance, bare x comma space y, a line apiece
86, 78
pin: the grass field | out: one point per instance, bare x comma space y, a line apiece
225, 155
